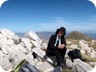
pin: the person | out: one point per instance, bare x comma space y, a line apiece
57, 46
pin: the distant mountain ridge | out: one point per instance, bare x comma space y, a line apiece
78, 35
46, 35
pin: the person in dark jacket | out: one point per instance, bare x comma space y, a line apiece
57, 46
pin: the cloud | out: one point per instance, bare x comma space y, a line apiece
70, 26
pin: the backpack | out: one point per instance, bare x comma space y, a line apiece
74, 54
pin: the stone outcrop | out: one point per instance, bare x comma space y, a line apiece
13, 49
79, 66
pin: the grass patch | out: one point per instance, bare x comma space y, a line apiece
67, 70
89, 59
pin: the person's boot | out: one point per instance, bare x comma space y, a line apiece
64, 66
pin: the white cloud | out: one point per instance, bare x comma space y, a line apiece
70, 26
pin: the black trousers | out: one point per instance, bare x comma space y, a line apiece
59, 53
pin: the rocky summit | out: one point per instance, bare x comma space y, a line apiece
14, 49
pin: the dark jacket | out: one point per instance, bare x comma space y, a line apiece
52, 41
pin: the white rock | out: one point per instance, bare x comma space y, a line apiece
45, 67
92, 63
32, 35
44, 45
82, 51
7, 32
27, 43
85, 46
93, 54
16, 56
20, 48
6, 65
36, 44
39, 52
6, 40
93, 41
68, 62
15, 38
29, 58
80, 66
2, 70
69, 42
93, 70
1, 36
74, 46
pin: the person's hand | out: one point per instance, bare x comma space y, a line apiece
62, 45
59, 46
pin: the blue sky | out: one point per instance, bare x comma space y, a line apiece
48, 15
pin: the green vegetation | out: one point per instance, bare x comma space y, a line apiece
16, 69
67, 70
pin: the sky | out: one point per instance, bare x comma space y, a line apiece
48, 15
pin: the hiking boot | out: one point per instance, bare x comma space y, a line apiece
64, 66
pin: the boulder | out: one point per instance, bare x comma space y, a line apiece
33, 36
82, 52
74, 46
94, 69
29, 58
7, 32
79, 66
2, 70
4, 61
93, 54
68, 62
45, 67
69, 42
44, 46
93, 64
9, 35
16, 57
27, 43
39, 52
84, 46
35, 44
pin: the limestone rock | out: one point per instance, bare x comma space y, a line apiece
27, 43
7, 32
82, 52
35, 44
32, 35
45, 67
69, 42
79, 66
93, 64
2, 70
85, 46
44, 46
74, 46
68, 62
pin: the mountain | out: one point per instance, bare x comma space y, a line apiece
78, 35
44, 35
